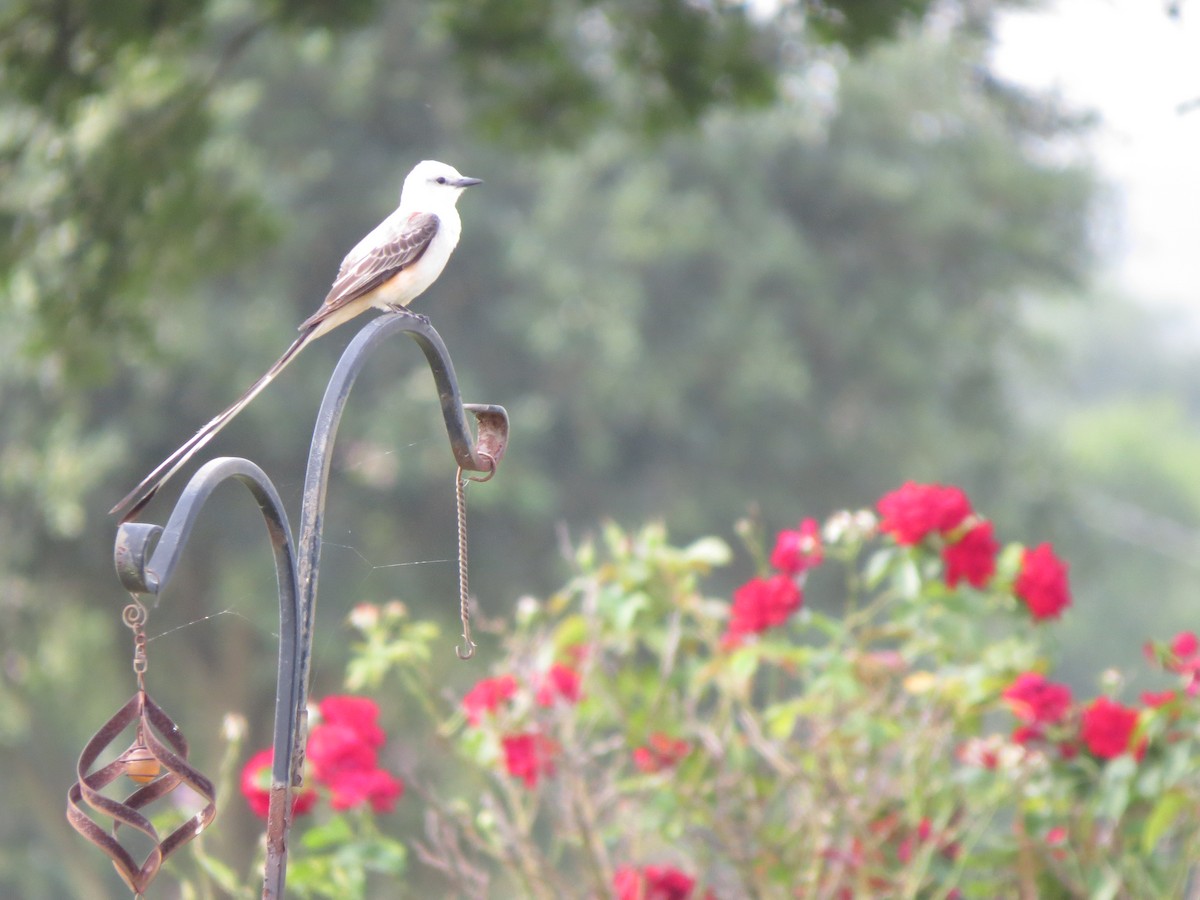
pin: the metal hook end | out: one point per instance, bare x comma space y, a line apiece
469, 650
491, 462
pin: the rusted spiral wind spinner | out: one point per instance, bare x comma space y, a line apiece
156, 760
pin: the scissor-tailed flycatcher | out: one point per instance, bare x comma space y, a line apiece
388, 269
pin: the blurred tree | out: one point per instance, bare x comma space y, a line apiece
543, 71
122, 179
1124, 407
828, 289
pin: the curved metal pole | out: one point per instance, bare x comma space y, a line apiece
146, 556
480, 454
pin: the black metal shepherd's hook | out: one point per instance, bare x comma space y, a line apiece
146, 555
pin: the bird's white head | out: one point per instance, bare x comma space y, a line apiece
433, 186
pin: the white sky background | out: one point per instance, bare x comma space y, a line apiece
1134, 65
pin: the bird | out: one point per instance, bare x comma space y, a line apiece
388, 269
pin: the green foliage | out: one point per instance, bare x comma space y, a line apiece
543, 72
857, 24
1123, 404
124, 184
57, 54
898, 205
559, 68
782, 292
119, 183
854, 752
386, 650
1109, 443
336, 857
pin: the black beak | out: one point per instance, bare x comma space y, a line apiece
465, 182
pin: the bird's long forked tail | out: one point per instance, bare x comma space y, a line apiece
136, 500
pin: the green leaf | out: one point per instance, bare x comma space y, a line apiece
1179, 762
907, 578
1008, 563
571, 632
877, 567
334, 833
743, 665
309, 876
780, 718
1161, 818
383, 854
1116, 786
710, 551
626, 610
1108, 886
219, 872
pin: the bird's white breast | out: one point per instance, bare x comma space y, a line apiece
411, 282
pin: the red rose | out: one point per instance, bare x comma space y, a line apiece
358, 786
1042, 583
256, 781
972, 557
1157, 699
1107, 728
760, 604
627, 883
334, 748
359, 714
341, 750
1185, 645
487, 695
559, 681
1037, 701
913, 511
1056, 840
661, 752
653, 883
255, 785
796, 551
528, 756
1024, 734
1185, 659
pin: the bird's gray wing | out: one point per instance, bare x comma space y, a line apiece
377, 259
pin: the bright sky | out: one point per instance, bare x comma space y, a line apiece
1135, 65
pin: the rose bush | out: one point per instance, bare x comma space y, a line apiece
870, 714
334, 857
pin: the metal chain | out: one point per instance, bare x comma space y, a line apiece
467, 650
134, 617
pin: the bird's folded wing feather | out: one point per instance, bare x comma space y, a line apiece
382, 254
